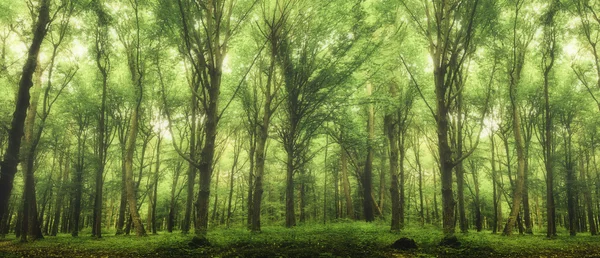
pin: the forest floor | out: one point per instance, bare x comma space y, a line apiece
351, 239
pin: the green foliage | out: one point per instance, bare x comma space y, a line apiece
332, 240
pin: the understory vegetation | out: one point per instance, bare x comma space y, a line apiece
342, 239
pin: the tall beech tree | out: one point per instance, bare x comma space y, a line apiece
521, 37
10, 160
269, 82
548, 58
102, 49
451, 30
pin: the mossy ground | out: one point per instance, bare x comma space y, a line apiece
352, 239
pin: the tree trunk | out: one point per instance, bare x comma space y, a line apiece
526, 210
259, 159
445, 156
8, 166
420, 172
59, 195
547, 64
192, 170
367, 176
123, 201
215, 207
346, 184
460, 168
587, 191
207, 158
391, 133
571, 184
290, 216
129, 185
236, 155
30, 216
82, 121
302, 195
154, 190
103, 64
173, 203
520, 177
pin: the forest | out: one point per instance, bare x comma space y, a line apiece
299, 128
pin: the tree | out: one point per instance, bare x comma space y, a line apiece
10, 159
103, 63
205, 47
273, 25
133, 50
451, 29
548, 57
520, 43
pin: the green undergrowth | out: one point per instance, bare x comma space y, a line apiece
351, 239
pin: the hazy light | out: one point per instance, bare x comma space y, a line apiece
571, 48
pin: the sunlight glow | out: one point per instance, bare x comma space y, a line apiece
571, 49
78, 50
160, 125
226, 67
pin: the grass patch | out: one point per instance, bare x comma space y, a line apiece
356, 239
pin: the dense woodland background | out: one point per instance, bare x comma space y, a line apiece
181, 115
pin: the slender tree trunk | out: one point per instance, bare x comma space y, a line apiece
547, 64
585, 171
460, 168
173, 203
436, 213
302, 195
391, 133
571, 184
103, 64
192, 170
367, 176
420, 173
382, 184
251, 186
154, 191
123, 201
515, 69
78, 177
215, 209
290, 216
63, 178
526, 209
236, 155
8, 166
346, 184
